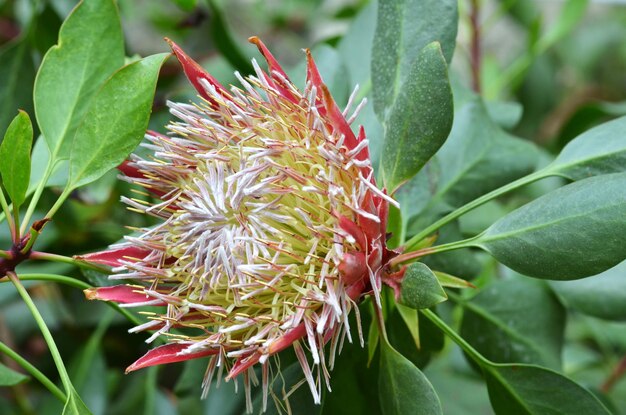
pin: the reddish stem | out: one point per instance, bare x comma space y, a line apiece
475, 46
15, 257
411, 255
617, 373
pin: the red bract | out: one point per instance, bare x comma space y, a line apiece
272, 226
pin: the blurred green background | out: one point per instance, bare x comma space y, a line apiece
548, 69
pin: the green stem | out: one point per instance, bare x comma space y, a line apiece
471, 352
7, 213
415, 240
31, 241
16, 223
56, 356
34, 372
380, 320
409, 256
5, 254
73, 282
45, 256
37, 195
59, 202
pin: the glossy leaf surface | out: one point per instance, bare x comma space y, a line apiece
573, 232
15, 156
89, 50
116, 120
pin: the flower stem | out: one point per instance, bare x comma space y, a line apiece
16, 224
415, 240
7, 214
37, 195
45, 256
380, 321
56, 356
409, 256
59, 202
73, 282
475, 46
614, 377
34, 372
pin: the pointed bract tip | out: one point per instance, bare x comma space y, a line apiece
168, 353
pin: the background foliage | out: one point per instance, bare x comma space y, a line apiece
547, 72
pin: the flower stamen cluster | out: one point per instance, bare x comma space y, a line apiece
272, 226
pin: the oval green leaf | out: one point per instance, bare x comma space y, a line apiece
600, 150
573, 232
403, 29
115, 122
420, 120
602, 296
402, 387
420, 287
530, 390
517, 321
90, 49
9, 377
15, 156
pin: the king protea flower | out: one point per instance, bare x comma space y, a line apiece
272, 227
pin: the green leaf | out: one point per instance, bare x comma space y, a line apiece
40, 159
75, 405
9, 377
403, 29
89, 50
527, 389
402, 387
17, 72
600, 150
479, 157
420, 287
602, 296
15, 156
573, 232
516, 320
116, 120
450, 281
420, 119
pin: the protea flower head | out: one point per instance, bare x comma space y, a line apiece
272, 227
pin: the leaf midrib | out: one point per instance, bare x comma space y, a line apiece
515, 232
